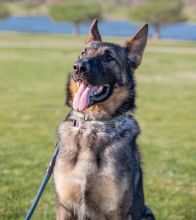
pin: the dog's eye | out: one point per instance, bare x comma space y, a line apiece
108, 58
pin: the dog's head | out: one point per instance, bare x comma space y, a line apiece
102, 80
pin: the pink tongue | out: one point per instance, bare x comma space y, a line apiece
82, 98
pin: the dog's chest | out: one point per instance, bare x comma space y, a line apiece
87, 167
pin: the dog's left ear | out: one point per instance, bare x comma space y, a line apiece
136, 45
93, 34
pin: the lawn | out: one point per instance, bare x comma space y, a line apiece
33, 71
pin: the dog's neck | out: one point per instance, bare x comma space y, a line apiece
114, 124
85, 117
81, 115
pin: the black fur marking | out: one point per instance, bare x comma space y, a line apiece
129, 104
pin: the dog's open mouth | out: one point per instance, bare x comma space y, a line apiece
88, 94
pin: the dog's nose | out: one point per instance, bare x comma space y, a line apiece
81, 67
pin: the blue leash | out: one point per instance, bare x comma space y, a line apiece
43, 184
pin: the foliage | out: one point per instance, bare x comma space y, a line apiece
158, 12
32, 73
4, 12
75, 12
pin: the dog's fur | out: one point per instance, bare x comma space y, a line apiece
98, 175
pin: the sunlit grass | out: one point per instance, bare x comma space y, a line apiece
32, 81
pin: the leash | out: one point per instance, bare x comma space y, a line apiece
43, 184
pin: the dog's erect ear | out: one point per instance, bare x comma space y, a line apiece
93, 34
135, 46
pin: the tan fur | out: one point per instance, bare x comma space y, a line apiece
108, 107
73, 86
72, 182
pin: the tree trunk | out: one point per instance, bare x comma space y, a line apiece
156, 32
77, 29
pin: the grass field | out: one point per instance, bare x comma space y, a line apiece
33, 71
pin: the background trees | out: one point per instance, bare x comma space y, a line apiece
4, 12
75, 12
157, 13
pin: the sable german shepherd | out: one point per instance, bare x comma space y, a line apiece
98, 173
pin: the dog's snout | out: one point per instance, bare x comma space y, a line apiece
84, 67
81, 67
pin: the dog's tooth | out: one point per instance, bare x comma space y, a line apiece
100, 89
96, 93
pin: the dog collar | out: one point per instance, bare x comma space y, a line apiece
80, 115
117, 123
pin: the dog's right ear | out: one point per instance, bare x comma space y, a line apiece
93, 34
135, 46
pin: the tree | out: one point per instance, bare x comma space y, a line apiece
75, 12
4, 12
158, 12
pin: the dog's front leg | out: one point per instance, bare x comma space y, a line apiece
62, 213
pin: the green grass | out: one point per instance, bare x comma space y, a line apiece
33, 71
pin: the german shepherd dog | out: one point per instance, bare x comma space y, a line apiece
98, 173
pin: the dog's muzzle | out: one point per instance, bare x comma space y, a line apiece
80, 68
